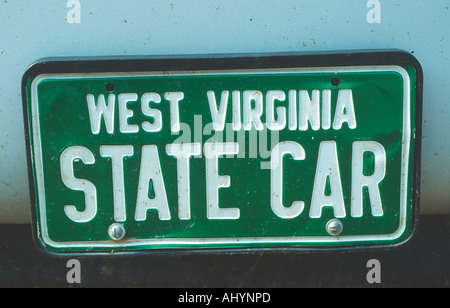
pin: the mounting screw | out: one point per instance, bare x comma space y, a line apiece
334, 227
116, 231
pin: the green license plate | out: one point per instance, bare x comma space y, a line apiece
228, 152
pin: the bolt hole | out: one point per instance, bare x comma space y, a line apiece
109, 87
335, 81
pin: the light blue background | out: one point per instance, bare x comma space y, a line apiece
30, 30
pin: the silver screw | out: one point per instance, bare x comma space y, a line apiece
116, 231
334, 227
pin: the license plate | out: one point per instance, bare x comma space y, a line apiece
228, 152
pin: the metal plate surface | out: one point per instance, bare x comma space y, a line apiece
224, 151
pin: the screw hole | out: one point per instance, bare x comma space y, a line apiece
335, 81
109, 87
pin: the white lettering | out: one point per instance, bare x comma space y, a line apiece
101, 109
359, 179
195, 298
183, 152
326, 109
327, 167
271, 123
252, 115
117, 153
125, 113
345, 111
214, 181
276, 179
309, 110
150, 170
218, 115
68, 156
174, 98
236, 99
151, 112
292, 110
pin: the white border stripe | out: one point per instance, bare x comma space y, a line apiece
406, 139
